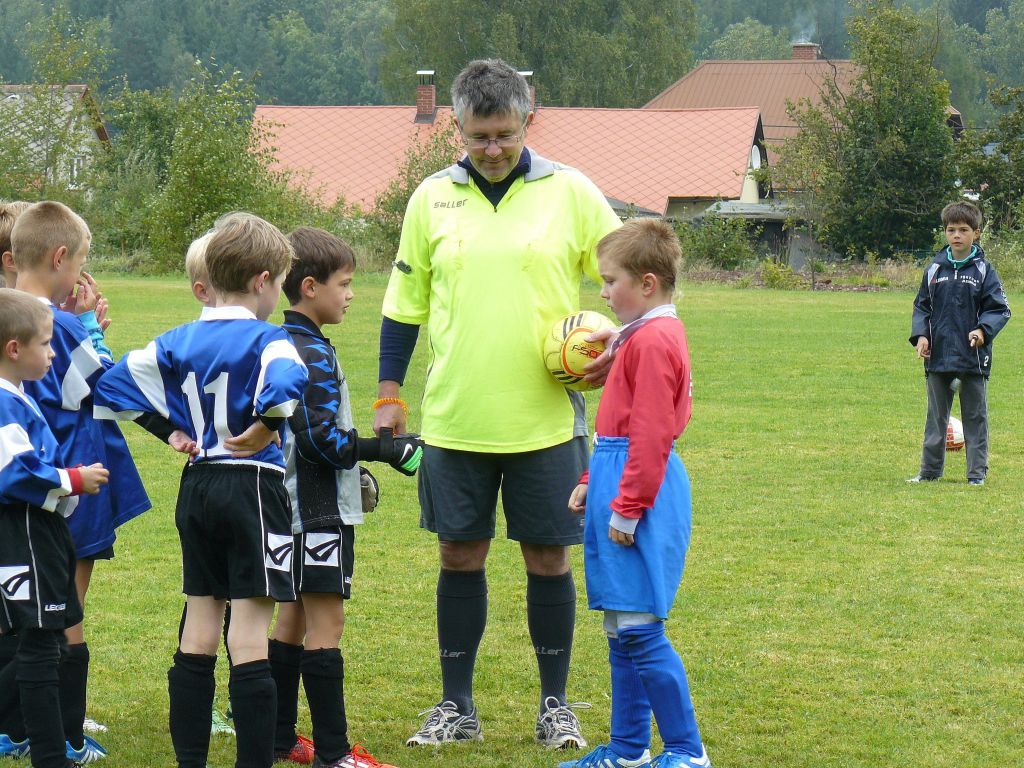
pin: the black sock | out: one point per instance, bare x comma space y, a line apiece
285, 659
323, 677
38, 677
461, 619
74, 681
11, 722
254, 707
191, 685
551, 615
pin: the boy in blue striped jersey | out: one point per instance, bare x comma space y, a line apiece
38, 599
229, 380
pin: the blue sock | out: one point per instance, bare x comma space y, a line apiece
664, 679
631, 711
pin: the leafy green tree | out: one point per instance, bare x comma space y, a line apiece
1002, 54
884, 148
991, 162
958, 57
750, 40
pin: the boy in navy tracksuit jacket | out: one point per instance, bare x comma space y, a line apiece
959, 309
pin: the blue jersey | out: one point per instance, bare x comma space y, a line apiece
212, 379
64, 397
28, 454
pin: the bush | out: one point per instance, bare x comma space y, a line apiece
722, 243
780, 276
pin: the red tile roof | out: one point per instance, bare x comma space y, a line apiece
765, 84
640, 156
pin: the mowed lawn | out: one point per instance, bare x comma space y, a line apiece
831, 615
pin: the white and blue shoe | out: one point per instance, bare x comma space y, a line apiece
90, 752
604, 757
673, 760
11, 748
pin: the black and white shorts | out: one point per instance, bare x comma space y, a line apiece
459, 493
234, 522
37, 570
324, 558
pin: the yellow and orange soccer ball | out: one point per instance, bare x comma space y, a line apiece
566, 350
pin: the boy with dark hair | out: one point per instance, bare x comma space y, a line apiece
959, 309
322, 450
51, 244
38, 599
229, 380
636, 497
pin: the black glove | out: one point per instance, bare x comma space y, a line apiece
370, 490
403, 452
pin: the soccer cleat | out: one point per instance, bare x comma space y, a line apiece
976, 481
673, 760
921, 479
90, 751
558, 727
11, 748
357, 758
220, 725
445, 724
604, 757
302, 752
91, 726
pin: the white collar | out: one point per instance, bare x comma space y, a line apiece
18, 391
662, 310
227, 312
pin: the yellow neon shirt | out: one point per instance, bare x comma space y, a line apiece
488, 282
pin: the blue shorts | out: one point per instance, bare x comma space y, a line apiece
644, 577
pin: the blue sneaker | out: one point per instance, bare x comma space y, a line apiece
604, 757
90, 752
11, 748
673, 760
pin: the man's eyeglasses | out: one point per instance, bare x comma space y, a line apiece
479, 142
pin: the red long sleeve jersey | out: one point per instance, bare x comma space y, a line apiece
647, 398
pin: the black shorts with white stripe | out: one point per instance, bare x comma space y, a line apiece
37, 570
324, 559
234, 522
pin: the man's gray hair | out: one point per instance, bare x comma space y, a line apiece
490, 87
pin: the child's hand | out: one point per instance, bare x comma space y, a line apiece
182, 443
976, 338
102, 307
578, 499
85, 297
619, 537
923, 347
252, 441
93, 477
596, 371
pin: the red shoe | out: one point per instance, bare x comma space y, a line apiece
301, 753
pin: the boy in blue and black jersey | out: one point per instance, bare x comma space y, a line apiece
50, 243
229, 380
38, 599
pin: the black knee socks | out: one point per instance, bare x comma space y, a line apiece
323, 675
551, 615
285, 660
38, 660
191, 685
461, 619
254, 708
74, 681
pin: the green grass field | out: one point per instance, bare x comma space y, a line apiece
831, 615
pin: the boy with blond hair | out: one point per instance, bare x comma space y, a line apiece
229, 380
636, 497
38, 599
50, 244
9, 212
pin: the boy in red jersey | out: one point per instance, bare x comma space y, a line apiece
636, 497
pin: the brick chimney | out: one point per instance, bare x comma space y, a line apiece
528, 75
426, 96
806, 51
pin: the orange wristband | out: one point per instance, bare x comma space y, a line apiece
391, 401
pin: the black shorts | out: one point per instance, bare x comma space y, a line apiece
37, 570
103, 554
234, 522
459, 493
324, 560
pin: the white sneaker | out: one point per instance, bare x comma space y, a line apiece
558, 727
445, 724
91, 726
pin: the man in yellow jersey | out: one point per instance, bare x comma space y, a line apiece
492, 252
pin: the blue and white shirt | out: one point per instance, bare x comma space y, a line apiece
212, 378
28, 454
64, 397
